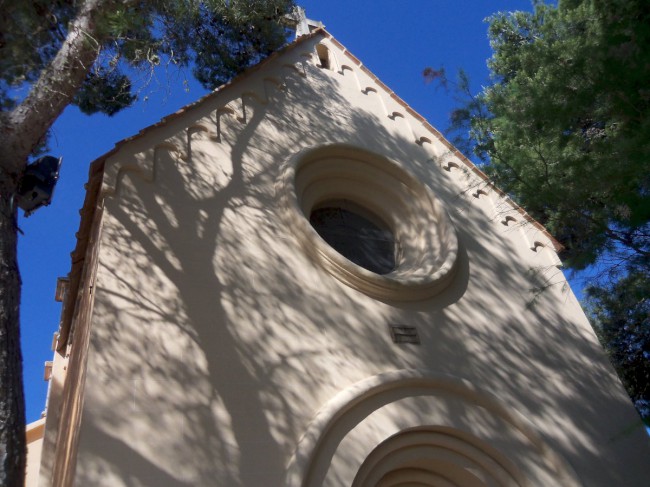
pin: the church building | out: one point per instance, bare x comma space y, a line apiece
296, 281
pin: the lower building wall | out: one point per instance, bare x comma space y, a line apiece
34, 437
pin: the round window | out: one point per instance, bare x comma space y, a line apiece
369, 222
357, 234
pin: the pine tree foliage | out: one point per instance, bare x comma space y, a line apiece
565, 123
621, 316
564, 128
217, 38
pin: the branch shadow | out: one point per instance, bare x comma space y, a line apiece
216, 339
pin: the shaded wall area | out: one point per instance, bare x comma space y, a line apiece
216, 339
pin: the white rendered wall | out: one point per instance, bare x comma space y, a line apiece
223, 354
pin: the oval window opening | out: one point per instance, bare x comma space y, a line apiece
357, 234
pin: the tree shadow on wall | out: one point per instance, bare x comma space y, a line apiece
216, 339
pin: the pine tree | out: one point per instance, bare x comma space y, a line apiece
564, 128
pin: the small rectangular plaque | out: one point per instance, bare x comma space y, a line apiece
404, 334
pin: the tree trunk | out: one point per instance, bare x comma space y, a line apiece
12, 400
21, 129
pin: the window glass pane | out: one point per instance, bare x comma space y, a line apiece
364, 242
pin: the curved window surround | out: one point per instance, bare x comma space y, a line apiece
437, 455
339, 420
380, 190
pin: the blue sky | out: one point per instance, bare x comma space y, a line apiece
395, 40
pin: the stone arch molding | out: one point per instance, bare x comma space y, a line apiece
437, 456
449, 455
427, 241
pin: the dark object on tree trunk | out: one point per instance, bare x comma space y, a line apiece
37, 185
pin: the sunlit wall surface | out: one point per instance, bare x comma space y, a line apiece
227, 343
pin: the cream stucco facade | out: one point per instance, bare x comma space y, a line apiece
211, 337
